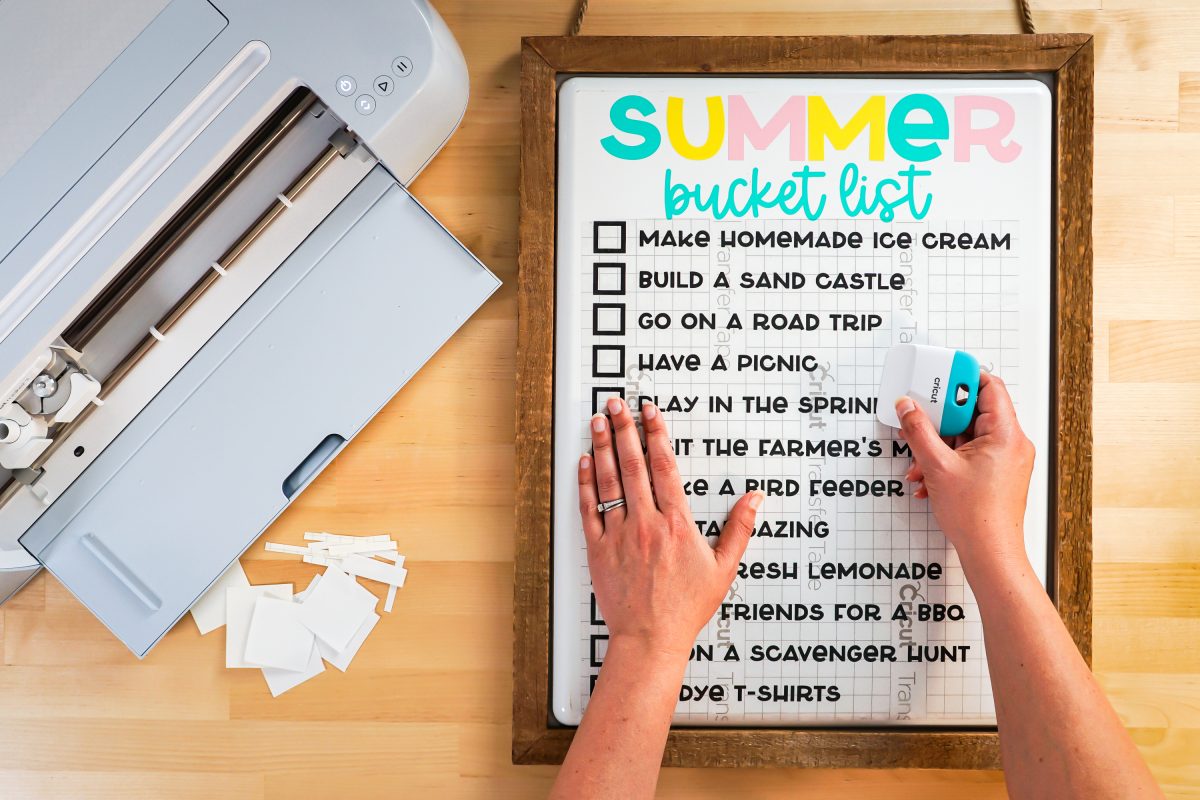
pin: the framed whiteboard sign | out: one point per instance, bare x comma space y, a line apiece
739, 229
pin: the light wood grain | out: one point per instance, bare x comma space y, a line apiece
145, 730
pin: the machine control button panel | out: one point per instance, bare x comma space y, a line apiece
383, 86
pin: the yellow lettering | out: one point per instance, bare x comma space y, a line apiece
822, 125
716, 129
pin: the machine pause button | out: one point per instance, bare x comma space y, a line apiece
402, 67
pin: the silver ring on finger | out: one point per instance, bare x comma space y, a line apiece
609, 505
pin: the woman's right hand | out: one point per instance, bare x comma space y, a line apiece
977, 484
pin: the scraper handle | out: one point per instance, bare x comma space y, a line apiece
962, 393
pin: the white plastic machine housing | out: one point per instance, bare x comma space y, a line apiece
329, 311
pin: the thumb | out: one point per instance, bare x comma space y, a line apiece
731, 545
928, 448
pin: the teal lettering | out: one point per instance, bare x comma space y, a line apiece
744, 197
648, 131
901, 132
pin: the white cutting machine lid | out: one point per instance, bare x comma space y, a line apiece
283, 131
323, 345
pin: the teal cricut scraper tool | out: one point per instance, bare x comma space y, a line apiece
944, 382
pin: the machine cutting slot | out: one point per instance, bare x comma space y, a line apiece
199, 246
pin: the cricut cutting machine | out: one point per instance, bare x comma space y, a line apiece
211, 277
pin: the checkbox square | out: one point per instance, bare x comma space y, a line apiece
598, 648
608, 236
608, 277
596, 618
592, 684
608, 319
601, 394
608, 360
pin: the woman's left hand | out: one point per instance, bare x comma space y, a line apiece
657, 580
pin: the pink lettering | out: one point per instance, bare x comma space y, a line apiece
743, 127
991, 137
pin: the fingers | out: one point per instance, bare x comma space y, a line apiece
593, 524
635, 480
731, 545
664, 473
917, 475
604, 459
927, 446
994, 406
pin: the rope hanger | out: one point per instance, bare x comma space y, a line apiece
1023, 9
580, 13
1026, 12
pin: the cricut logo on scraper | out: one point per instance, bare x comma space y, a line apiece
918, 128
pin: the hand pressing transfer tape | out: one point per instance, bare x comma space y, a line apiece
942, 381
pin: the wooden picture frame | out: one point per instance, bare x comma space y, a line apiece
1068, 59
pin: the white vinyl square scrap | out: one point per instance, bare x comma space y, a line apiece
281, 680
341, 659
300, 596
336, 608
277, 638
766, 241
239, 610
209, 611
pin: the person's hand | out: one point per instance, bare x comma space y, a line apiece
977, 484
657, 580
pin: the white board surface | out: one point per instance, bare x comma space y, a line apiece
989, 178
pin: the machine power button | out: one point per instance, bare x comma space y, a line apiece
346, 86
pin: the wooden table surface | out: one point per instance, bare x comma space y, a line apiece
424, 710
